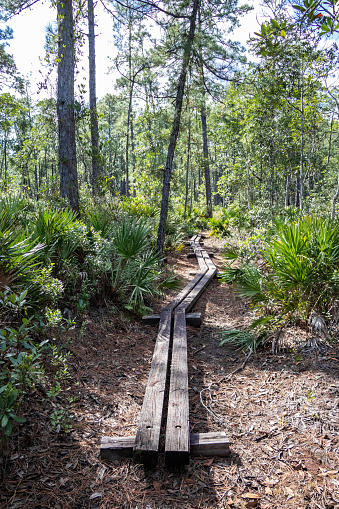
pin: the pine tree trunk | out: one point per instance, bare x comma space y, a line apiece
248, 185
187, 167
287, 190
127, 137
206, 158
92, 99
5, 155
175, 130
65, 105
301, 174
203, 117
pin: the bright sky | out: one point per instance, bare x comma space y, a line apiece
29, 39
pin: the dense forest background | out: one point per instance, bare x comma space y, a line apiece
256, 132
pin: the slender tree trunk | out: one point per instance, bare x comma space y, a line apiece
334, 201
297, 192
330, 143
206, 157
36, 179
248, 185
127, 136
206, 160
287, 190
187, 166
5, 155
301, 173
175, 130
191, 198
336, 196
96, 170
65, 105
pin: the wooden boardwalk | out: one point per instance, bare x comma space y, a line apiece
179, 444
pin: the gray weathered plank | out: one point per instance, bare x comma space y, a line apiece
148, 434
185, 291
150, 319
194, 295
201, 444
146, 443
192, 319
177, 445
210, 444
112, 448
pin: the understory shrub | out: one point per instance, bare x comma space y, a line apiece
298, 276
135, 270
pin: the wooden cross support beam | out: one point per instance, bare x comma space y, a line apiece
202, 444
192, 319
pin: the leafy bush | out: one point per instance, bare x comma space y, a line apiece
20, 363
139, 208
197, 220
219, 227
50, 229
101, 221
134, 271
299, 275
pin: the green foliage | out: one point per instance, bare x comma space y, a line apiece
299, 275
139, 207
219, 227
51, 229
176, 231
135, 270
20, 364
62, 412
50, 288
101, 221
324, 15
243, 339
132, 237
9, 399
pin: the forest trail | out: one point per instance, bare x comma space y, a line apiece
281, 414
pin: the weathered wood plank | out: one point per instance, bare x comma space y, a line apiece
185, 291
201, 444
210, 444
146, 443
148, 434
194, 295
177, 445
150, 319
192, 319
112, 448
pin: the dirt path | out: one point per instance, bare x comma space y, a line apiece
281, 413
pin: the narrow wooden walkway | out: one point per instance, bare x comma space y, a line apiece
179, 444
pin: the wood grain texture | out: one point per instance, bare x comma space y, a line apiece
145, 446
192, 319
148, 434
184, 292
194, 295
201, 444
112, 448
210, 444
177, 445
